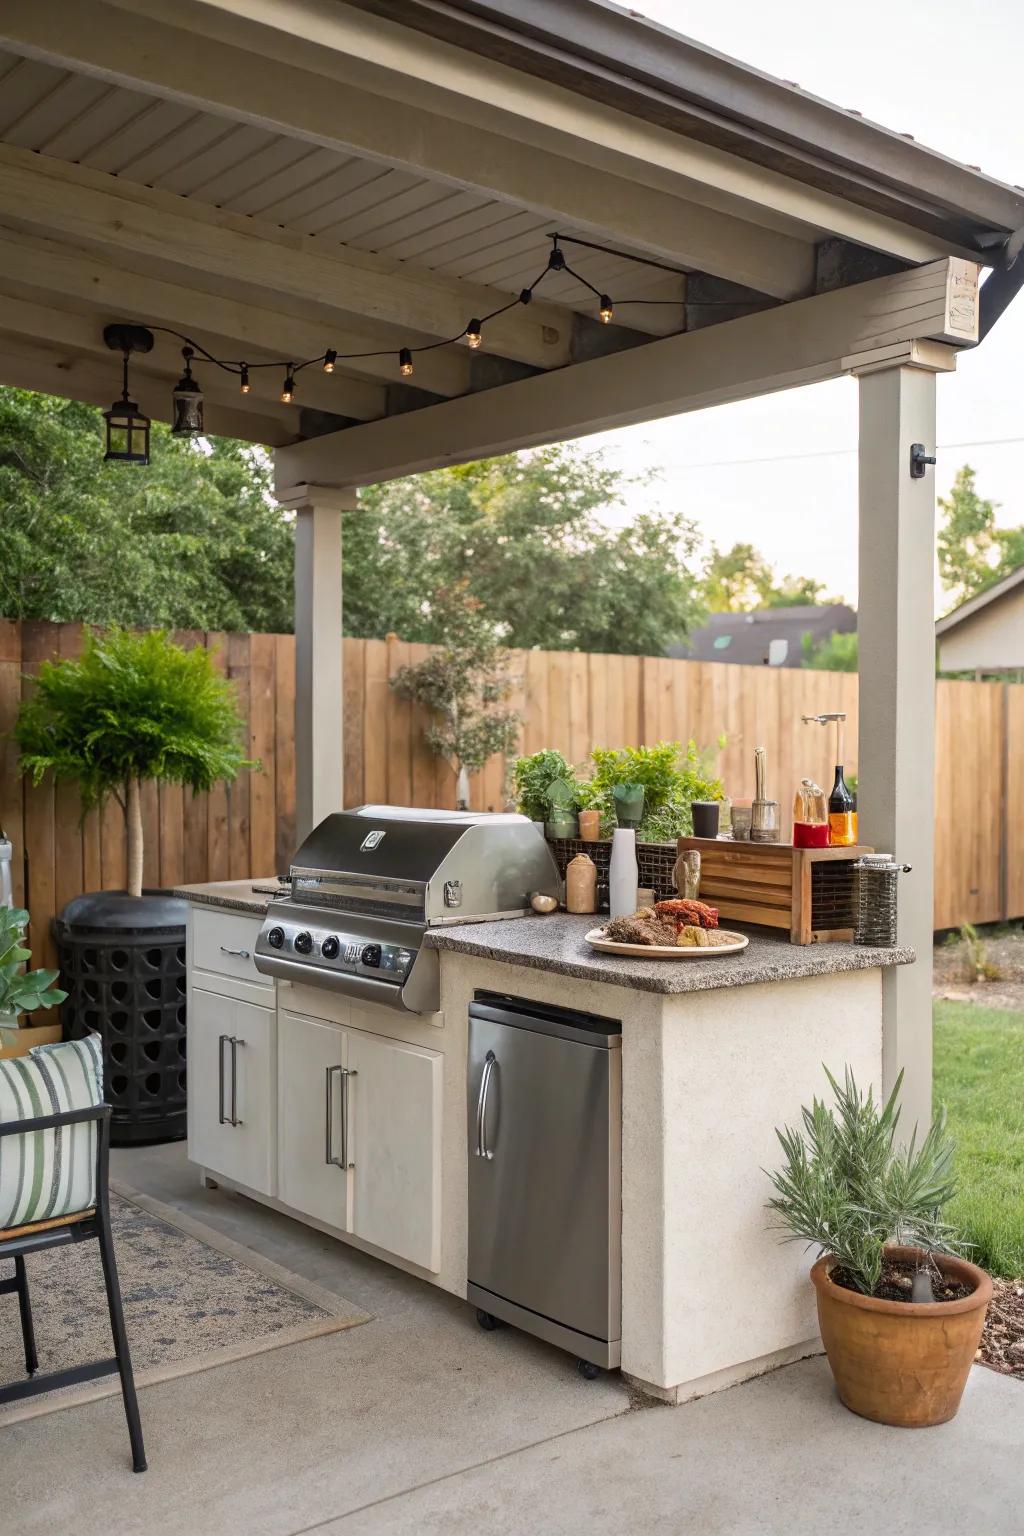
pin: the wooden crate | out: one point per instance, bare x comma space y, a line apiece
18, 1042
811, 892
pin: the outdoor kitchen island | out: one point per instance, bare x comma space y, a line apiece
714, 1054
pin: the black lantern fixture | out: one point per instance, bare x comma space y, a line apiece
187, 400
127, 426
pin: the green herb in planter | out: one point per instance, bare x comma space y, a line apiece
847, 1189
21, 991
533, 776
671, 776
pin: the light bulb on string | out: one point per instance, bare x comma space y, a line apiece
288, 387
473, 334
606, 308
330, 358
243, 379
405, 363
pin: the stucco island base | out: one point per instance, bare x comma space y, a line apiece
710, 1296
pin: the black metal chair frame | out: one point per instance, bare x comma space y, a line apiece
75, 1228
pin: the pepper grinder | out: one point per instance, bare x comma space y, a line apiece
764, 813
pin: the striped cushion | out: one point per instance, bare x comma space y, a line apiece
49, 1173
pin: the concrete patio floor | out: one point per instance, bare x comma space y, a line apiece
419, 1422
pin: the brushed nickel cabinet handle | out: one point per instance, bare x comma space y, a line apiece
243, 954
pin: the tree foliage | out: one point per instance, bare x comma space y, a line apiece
521, 532
973, 552
464, 684
191, 541
839, 653
739, 580
133, 708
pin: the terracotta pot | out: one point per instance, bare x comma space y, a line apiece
901, 1362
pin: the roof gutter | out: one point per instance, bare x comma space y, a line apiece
634, 65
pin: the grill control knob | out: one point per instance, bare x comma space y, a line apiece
330, 947
275, 938
304, 942
370, 954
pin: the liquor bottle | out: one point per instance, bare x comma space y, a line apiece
842, 813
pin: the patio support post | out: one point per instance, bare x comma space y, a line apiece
896, 761
319, 709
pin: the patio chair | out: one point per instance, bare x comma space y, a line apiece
46, 1164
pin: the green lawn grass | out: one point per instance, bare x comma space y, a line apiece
979, 1077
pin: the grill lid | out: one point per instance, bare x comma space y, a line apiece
387, 842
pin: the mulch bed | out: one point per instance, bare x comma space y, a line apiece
1002, 1343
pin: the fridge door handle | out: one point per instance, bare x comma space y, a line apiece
481, 1107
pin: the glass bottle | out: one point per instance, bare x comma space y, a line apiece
842, 813
810, 816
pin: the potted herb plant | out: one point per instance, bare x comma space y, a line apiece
672, 777
533, 776
900, 1312
21, 991
134, 708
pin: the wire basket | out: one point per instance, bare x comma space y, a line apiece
877, 899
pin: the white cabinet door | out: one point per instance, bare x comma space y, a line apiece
313, 1141
232, 1082
395, 1145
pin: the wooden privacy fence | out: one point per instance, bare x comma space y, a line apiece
566, 699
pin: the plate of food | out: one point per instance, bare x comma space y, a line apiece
670, 930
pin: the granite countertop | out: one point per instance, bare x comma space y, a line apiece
235, 895
557, 944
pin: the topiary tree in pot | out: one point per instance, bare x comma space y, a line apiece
900, 1313
134, 708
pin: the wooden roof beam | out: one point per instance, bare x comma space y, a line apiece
801, 343
53, 197
75, 376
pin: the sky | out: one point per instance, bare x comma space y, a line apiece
950, 75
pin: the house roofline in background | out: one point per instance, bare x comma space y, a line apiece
981, 600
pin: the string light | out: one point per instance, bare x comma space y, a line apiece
188, 396
187, 400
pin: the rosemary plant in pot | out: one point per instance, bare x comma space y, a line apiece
900, 1312
133, 709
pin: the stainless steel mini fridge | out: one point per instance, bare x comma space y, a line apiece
545, 1215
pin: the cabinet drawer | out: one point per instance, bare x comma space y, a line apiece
225, 943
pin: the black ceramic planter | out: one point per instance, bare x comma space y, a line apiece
122, 964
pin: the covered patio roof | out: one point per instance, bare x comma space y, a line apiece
276, 178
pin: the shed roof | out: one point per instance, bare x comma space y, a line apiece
981, 600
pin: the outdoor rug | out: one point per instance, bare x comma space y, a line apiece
193, 1299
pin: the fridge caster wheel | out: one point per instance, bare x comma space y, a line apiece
588, 1370
487, 1320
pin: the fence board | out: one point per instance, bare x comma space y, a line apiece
566, 700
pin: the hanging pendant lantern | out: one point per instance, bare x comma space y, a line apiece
127, 428
187, 401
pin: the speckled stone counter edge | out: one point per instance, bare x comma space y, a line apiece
557, 944
215, 896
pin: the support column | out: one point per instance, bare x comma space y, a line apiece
319, 700
896, 761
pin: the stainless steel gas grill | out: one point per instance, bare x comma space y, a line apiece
367, 884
